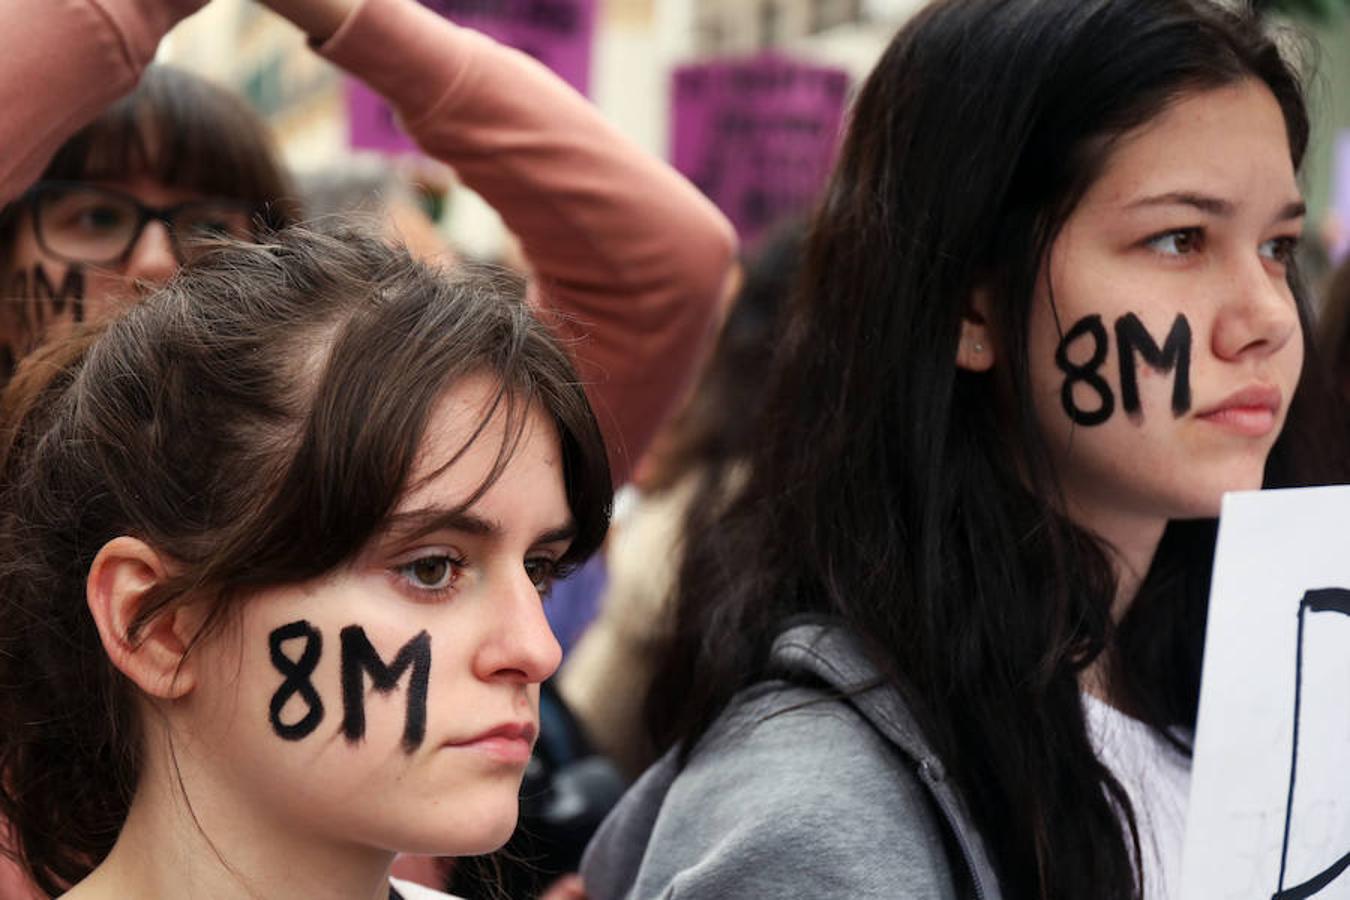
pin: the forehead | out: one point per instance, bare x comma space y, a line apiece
1229, 142
466, 435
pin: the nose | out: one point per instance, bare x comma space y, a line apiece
519, 646
1258, 317
152, 260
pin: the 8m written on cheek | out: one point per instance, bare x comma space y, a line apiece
37, 302
359, 658
1132, 340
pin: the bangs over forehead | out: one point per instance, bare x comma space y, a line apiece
293, 381
184, 132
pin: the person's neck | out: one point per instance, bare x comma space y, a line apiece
224, 849
1131, 542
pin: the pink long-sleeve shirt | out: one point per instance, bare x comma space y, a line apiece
630, 256
629, 252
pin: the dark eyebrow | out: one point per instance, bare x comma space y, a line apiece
1214, 206
416, 523
559, 534
1296, 209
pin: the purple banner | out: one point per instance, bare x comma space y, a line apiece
558, 33
1339, 238
757, 135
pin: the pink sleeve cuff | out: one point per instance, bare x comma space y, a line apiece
143, 22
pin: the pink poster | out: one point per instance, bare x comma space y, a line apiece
757, 135
558, 33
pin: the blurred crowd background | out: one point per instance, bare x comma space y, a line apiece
642, 62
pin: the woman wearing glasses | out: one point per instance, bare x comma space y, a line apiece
84, 224
117, 205
630, 254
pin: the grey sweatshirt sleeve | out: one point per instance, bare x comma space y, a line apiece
779, 800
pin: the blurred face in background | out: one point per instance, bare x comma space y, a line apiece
82, 249
120, 201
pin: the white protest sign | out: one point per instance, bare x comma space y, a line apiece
1269, 813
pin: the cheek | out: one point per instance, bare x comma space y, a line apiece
1296, 353
44, 301
1118, 361
354, 683
106, 294
381, 665
23, 250
52, 292
1072, 367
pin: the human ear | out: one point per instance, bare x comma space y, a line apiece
121, 580
975, 352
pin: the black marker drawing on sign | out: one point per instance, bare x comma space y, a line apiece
1133, 338
1322, 600
1085, 373
297, 672
359, 657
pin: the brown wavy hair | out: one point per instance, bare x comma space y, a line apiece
256, 420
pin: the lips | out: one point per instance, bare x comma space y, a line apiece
510, 743
1252, 411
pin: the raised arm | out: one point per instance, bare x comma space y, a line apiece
629, 254
64, 61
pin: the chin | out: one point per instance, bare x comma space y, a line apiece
485, 837
1208, 504
471, 829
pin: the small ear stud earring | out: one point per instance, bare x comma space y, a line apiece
979, 348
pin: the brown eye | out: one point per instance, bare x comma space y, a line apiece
1281, 249
431, 573
1181, 242
542, 571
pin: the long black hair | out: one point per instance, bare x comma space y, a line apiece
913, 501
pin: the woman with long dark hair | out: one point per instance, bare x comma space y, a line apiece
946, 642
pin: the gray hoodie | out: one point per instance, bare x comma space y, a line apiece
797, 792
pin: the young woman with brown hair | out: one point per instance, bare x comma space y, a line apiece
274, 544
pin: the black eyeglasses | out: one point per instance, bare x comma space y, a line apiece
80, 223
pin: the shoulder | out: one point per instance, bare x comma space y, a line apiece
779, 729
793, 792
799, 757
